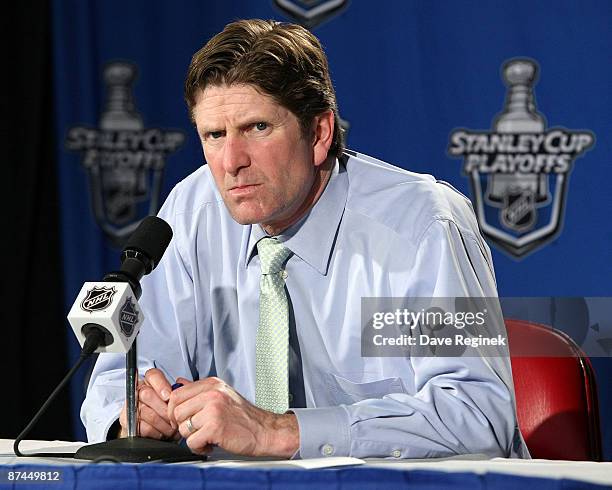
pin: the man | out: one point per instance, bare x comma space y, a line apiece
255, 307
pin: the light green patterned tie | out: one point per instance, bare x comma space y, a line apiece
272, 344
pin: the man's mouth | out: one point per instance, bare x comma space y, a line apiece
240, 190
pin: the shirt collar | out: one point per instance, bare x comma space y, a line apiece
312, 237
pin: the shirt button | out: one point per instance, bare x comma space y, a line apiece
284, 274
328, 450
396, 453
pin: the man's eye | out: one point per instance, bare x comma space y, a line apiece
260, 126
214, 134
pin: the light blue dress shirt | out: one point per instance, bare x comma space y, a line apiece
377, 230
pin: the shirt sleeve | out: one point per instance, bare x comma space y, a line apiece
460, 405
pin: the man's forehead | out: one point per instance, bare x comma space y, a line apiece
235, 99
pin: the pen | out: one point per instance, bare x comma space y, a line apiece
174, 387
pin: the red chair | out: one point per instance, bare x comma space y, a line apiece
556, 394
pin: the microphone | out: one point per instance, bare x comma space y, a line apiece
142, 252
107, 312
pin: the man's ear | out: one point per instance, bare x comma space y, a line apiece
323, 126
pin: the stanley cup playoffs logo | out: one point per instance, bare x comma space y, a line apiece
311, 13
124, 159
519, 170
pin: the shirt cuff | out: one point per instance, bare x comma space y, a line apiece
98, 428
323, 431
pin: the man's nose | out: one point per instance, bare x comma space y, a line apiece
235, 154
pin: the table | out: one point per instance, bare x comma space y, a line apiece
461, 472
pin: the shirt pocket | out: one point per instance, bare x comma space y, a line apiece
345, 391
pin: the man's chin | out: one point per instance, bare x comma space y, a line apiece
244, 221
250, 215
245, 218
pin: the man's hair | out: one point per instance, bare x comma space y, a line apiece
282, 60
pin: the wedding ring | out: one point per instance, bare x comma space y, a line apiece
190, 426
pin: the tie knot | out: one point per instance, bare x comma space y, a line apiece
272, 255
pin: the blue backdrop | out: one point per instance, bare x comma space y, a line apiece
408, 73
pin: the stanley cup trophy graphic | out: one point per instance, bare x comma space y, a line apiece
519, 169
518, 194
123, 158
120, 114
124, 186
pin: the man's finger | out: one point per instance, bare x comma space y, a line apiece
188, 393
147, 430
155, 421
205, 436
203, 452
188, 409
190, 390
200, 438
148, 396
157, 380
155, 417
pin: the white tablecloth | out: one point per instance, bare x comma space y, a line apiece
587, 471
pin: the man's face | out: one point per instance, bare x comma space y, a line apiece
262, 165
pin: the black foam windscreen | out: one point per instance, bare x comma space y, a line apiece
151, 238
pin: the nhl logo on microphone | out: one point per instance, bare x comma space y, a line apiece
111, 306
98, 299
128, 316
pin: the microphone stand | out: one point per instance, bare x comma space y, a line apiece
131, 391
